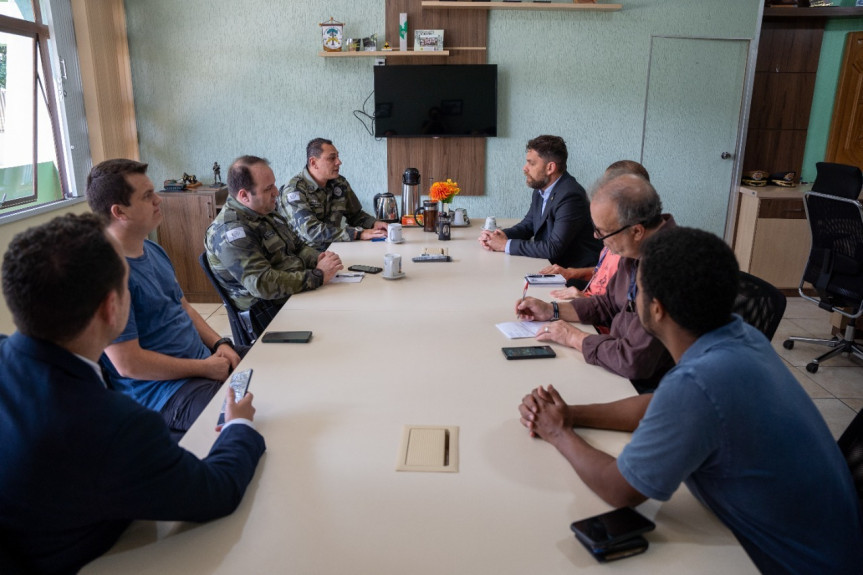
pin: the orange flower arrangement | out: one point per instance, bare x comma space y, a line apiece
444, 191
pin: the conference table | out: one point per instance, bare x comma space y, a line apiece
418, 351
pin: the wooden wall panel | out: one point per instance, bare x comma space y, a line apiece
774, 150
788, 54
106, 78
462, 159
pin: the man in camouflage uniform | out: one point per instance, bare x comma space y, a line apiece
252, 250
320, 204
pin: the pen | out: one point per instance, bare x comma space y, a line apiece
524, 292
349, 275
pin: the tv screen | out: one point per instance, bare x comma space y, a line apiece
436, 100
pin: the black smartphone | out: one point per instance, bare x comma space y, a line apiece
367, 269
240, 384
287, 337
614, 535
528, 352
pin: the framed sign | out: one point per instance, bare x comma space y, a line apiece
331, 35
428, 40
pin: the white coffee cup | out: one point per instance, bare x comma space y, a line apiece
490, 224
394, 233
459, 217
392, 265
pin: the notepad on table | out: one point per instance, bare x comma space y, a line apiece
520, 329
545, 279
348, 278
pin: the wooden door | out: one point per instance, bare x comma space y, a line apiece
845, 144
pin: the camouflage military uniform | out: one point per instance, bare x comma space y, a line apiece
258, 257
325, 215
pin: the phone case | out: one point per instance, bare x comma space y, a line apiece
528, 352
604, 531
620, 550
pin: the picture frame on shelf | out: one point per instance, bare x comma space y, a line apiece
428, 40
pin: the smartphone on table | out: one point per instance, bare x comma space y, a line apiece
287, 337
366, 269
240, 384
613, 535
528, 352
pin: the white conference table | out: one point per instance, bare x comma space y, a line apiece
422, 350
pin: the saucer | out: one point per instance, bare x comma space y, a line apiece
396, 277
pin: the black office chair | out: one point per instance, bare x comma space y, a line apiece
838, 180
835, 267
241, 327
759, 304
851, 445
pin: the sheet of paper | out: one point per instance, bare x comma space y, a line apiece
348, 278
520, 329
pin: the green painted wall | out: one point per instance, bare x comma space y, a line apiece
214, 79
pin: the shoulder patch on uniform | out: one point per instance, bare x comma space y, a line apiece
293, 196
235, 234
337, 191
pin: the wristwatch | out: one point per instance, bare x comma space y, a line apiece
224, 340
555, 310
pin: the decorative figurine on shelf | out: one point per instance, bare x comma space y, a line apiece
191, 181
387, 47
332, 35
217, 175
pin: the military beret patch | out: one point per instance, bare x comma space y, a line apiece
235, 234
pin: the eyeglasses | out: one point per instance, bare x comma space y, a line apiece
601, 237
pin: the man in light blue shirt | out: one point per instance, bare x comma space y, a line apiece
730, 421
167, 359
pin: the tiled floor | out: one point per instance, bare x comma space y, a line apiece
837, 387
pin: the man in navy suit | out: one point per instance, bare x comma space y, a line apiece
557, 227
79, 462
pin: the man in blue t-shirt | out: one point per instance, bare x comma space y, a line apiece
167, 358
729, 420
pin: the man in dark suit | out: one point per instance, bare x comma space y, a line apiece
557, 226
79, 462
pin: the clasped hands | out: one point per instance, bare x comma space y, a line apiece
493, 240
545, 414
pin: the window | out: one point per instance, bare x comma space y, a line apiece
32, 157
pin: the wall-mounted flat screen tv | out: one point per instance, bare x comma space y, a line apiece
436, 100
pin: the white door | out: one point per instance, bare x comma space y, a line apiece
691, 120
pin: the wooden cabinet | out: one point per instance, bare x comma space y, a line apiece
772, 239
185, 219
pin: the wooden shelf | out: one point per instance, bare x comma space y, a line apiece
815, 12
385, 54
467, 5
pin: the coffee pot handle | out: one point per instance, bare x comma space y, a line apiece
419, 216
